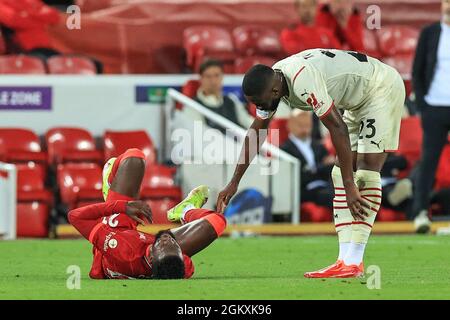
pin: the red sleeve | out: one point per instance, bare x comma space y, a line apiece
290, 42
353, 34
84, 219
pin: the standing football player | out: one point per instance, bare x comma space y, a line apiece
120, 250
371, 95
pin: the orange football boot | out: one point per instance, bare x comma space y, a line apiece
351, 271
323, 273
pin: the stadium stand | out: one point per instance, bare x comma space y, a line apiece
79, 184
2, 44
254, 40
34, 202
397, 39
202, 42
158, 180
71, 145
70, 65
21, 64
22, 146
242, 64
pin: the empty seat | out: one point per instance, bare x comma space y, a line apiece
278, 132
397, 39
207, 41
159, 209
242, 64
2, 44
190, 88
70, 65
402, 63
158, 182
31, 184
311, 212
79, 183
32, 219
71, 145
443, 169
21, 64
370, 41
410, 144
117, 142
256, 40
21, 145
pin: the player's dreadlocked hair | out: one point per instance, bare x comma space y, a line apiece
169, 267
256, 80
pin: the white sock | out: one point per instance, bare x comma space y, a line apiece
343, 249
355, 254
186, 209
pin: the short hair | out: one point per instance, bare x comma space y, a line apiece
210, 63
169, 267
256, 80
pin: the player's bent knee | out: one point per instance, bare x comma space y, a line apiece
218, 222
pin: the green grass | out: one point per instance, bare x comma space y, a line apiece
412, 267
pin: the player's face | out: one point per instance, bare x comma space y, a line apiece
270, 98
165, 245
211, 80
306, 10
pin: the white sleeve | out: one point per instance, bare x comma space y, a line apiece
310, 87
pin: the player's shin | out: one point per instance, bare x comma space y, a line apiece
342, 216
369, 184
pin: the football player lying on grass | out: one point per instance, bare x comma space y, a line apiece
120, 250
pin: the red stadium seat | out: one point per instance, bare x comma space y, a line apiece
71, 65
397, 39
79, 183
242, 64
21, 64
370, 40
279, 124
21, 146
159, 209
117, 142
207, 41
158, 182
30, 184
2, 44
402, 63
190, 88
32, 219
443, 170
310, 212
385, 214
410, 145
71, 145
256, 40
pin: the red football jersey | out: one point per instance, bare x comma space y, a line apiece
120, 251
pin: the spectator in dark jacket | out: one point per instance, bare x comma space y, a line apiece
316, 163
431, 81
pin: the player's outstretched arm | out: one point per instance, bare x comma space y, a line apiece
253, 141
341, 141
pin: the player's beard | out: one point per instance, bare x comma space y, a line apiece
274, 105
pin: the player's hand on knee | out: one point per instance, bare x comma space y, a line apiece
225, 196
138, 209
356, 204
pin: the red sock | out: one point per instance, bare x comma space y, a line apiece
195, 214
218, 222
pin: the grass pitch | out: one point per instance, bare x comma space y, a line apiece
412, 267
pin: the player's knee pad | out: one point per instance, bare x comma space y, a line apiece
218, 222
369, 184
